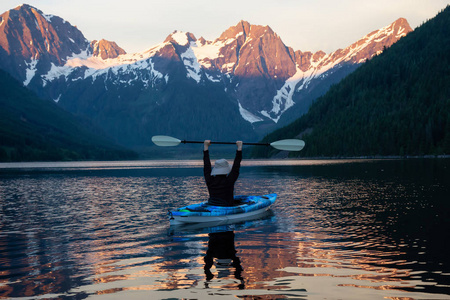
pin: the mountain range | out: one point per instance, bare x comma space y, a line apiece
397, 104
242, 85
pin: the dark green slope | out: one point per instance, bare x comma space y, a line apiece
132, 113
32, 129
398, 103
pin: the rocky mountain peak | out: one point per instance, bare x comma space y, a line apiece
395, 30
375, 42
26, 7
30, 41
202, 41
401, 27
30, 33
257, 31
106, 49
263, 53
180, 38
242, 28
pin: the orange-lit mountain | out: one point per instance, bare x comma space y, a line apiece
106, 49
247, 78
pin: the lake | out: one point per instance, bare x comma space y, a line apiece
340, 229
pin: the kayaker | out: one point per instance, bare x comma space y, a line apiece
220, 180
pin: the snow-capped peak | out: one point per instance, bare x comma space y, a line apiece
180, 38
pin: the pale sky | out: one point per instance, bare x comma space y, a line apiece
306, 25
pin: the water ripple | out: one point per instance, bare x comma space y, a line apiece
349, 230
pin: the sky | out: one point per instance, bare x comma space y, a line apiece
306, 25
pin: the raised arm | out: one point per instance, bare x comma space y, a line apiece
206, 160
234, 174
206, 145
239, 145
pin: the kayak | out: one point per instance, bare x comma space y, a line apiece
246, 207
222, 226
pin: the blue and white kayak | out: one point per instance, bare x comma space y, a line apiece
247, 206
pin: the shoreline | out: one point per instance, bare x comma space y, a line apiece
173, 162
371, 157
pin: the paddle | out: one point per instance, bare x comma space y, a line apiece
288, 145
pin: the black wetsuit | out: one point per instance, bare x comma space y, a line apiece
221, 187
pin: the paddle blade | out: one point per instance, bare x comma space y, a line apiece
288, 145
165, 141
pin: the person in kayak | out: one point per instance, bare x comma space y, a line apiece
220, 180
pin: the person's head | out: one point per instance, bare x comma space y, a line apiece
221, 167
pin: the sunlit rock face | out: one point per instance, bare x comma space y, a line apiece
106, 49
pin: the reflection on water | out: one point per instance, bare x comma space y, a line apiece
221, 249
339, 230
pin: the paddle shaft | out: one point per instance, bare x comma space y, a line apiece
225, 143
288, 144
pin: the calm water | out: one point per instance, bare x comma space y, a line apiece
370, 229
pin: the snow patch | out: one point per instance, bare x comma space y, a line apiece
94, 62
55, 72
380, 39
199, 56
57, 99
228, 67
191, 64
212, 78
30, 71
248, 116
283, 99
156, 73
94, 67
206, 52
180, 38
48, 17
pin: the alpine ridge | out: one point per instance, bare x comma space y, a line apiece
396, 104
247, 71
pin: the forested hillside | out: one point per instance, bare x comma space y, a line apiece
33, 129
398, 103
